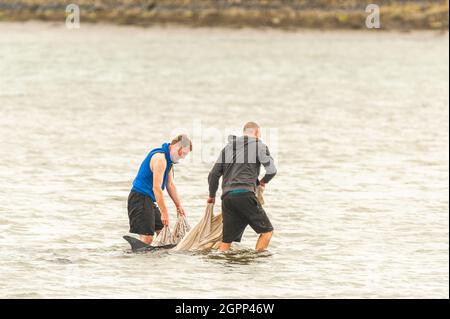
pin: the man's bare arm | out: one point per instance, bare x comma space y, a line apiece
158, 166
173, 193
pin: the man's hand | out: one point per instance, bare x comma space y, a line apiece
262, 184
180, 210
211, 200
165, 218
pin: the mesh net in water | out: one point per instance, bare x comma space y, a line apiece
207, 233
167, 237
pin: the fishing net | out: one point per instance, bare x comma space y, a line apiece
207, 233
166, 237
181, 229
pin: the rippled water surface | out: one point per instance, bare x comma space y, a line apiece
359, 127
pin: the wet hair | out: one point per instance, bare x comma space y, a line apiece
184, 141
250, 127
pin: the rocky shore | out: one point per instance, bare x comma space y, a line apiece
285, 14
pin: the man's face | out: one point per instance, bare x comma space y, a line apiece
177, 153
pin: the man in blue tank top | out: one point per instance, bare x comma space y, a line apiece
156, 174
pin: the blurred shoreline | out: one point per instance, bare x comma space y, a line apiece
279, 14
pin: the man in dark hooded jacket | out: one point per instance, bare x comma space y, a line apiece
239, 165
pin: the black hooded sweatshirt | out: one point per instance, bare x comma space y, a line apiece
239, 165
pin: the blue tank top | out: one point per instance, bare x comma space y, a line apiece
143, 183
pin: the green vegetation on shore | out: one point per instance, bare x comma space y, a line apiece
286, 14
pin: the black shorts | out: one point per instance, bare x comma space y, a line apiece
240, 210
145, 217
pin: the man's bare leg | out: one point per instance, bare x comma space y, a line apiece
263, 241
146, 239
224, 246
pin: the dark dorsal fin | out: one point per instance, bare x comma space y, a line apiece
137, 245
